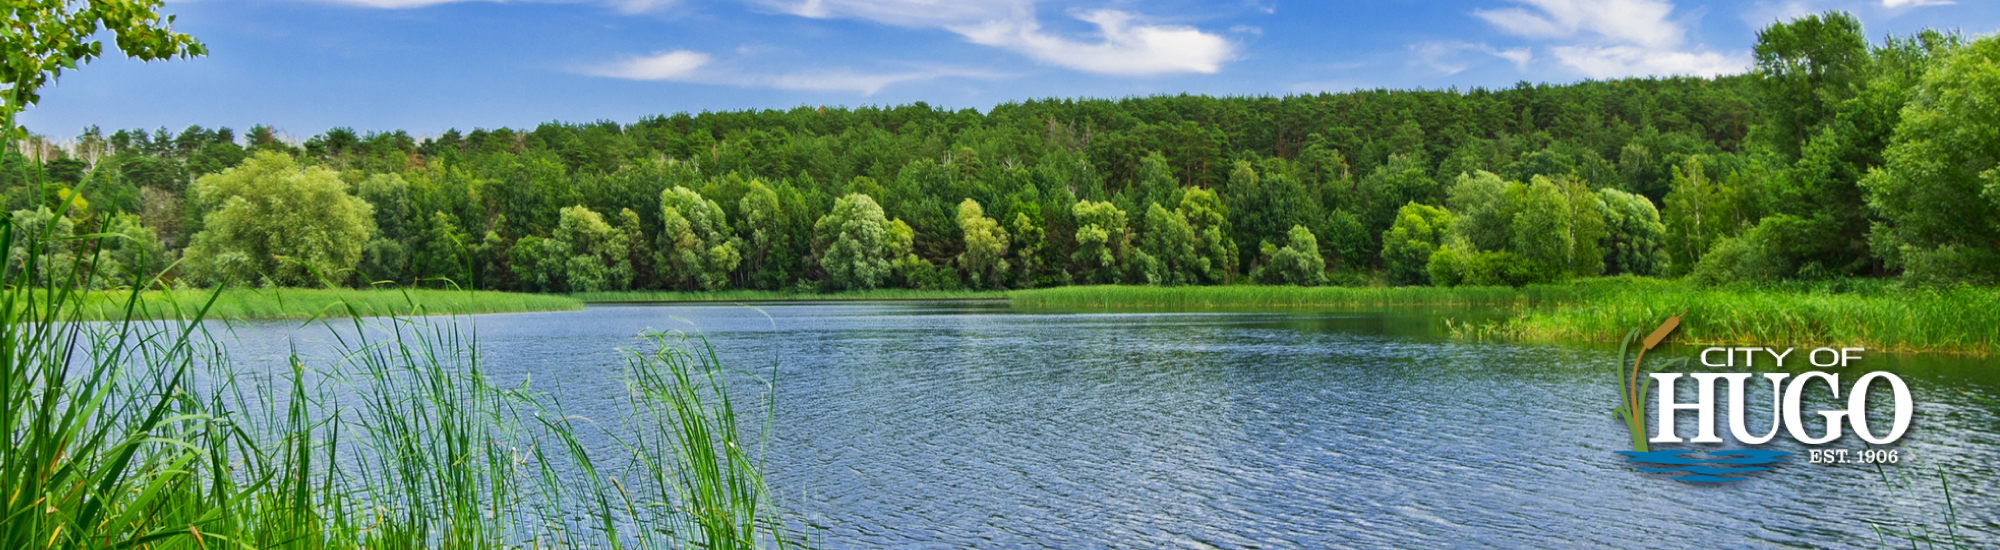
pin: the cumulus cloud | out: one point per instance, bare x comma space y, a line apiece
1895, 4
1126, 49
698, 68
1613, 38
1125, 43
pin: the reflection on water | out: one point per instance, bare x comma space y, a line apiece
973, 425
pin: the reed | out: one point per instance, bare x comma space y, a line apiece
1871, 315
138, 433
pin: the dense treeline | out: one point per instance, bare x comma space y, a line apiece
1835, 158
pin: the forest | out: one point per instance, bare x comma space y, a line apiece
1837, 156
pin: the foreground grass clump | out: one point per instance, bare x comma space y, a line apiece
136, 433
1281, 296
1868, 314
639, 296
307, 303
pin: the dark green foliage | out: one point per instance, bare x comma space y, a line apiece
1544, 182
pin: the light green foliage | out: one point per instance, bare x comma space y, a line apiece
1029, 241
1210, 221
1402, 180
1940, 189
598, 259
538, 264
765, 243
46, 37
1696, 217
1543, 233
1759, 254
697, 246
1479, 201
1167, 254
1587, 227
268, 221
984, 259
1633, 234
1298, 263
851, 243
1407, 246
1101, 240
50, 233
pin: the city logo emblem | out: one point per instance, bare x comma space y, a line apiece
1636, 383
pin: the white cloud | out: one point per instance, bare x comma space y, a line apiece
1613, 38
1445, 57
397, 4
1126, 49
674, 65
1623, 61
1896, 4
1124, 45
697, 68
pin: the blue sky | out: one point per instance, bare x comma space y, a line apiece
303, 66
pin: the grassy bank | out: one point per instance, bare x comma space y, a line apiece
1874, 316
300, 303
1197, 297
1869, 314
785, 296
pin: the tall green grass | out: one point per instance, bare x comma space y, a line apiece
1197, 297
136, 433
307, 303
1871, 315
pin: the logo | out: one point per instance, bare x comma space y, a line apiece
1636, 383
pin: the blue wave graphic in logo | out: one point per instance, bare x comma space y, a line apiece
1746, 459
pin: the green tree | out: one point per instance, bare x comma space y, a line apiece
1808, 67
1634, 234
1940, 189
269, 221
1479, 203
597, 259
984, 259
1168, 252
45, 37
850, 243
696, 243
765, 242
1696, 217
1101, 240
1543, 232
1298, 263
1407, 245
1210, 221
1030, 239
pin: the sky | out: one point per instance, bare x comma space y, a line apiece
424, 66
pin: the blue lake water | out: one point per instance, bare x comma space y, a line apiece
975, 425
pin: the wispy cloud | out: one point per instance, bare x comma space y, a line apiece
698, 68
1125, 43
673, 65
1449, 57
1897, 4
1613, 38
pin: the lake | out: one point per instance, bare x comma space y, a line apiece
976, 425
